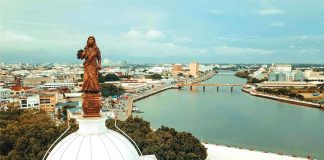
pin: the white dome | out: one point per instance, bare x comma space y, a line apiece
93, 141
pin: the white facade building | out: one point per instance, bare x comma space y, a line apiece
57, 85
29, 101
4, 92
281, 68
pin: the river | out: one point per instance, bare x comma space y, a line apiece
238, 119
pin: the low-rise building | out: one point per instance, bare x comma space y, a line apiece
73, 97
4, 92
58, 85
48, 102
29, 101
33, 81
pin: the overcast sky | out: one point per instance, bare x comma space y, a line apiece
218, 31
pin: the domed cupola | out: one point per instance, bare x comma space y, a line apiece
93, 141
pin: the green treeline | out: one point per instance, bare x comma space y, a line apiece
27, 134
165, 143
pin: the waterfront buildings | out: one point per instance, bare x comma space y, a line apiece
269, 84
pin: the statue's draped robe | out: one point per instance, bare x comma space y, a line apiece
91, 75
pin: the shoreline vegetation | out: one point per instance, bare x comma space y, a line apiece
246, 75
283, 99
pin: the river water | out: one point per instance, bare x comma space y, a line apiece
238, 119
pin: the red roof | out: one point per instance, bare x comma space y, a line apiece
19, 88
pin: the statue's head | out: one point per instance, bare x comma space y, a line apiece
91, 42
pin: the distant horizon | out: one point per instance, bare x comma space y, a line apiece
233, 31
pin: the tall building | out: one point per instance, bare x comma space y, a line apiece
177, 67
194, 69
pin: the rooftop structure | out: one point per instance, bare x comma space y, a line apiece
94, 141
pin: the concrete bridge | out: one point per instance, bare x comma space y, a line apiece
208, 84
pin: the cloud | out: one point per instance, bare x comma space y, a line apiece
38, 23
270, 12
304, 49
150, 34
233, 51
182, 39
155, 34
15, 37
133, 34
277, 24
216, 12
309, 50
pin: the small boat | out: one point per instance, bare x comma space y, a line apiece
136, 110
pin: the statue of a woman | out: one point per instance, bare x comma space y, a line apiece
91, 104
92, 65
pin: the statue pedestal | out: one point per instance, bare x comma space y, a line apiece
91, 104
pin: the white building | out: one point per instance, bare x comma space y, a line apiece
157, 70
4, 92
29, 101
260, 73
289, 76
57, 85
281, 68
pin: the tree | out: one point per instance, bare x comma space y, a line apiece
255, 80
111, 90
156, 76
125, 76
164, 143
111, 77
242, 74
180, 75
59, 114
101, 78
64, 110
28, 134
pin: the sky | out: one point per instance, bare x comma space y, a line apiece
218, 31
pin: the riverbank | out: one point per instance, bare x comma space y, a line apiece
283, 99
205, 77
131, 101
219, 152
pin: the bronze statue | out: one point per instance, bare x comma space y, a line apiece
91, 89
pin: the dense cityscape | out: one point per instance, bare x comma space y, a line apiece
161, 80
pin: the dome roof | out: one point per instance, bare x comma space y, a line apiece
93, 141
